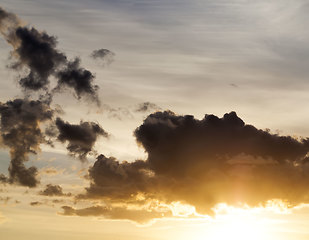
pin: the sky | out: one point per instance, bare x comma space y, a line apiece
155, 120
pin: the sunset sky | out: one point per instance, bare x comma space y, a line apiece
154, 119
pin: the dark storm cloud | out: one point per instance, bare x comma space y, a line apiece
119, 213
206, 162
182, 140
79, 79
36, 52
115, 180
80, 137
20, 131
147, 107
53, 190
105, 56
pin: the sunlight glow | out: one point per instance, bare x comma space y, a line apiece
241, 223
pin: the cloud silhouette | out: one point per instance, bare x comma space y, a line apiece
53, 190
20, 131
205, 162
36, 52
81, 138
105, 56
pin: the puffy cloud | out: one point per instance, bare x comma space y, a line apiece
80, 137
36, 51
20, 131
114, 180
79, 79
53, 190
205, 162
105, 56
21, 119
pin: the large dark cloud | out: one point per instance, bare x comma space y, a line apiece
21, 132
80, 137
206, 162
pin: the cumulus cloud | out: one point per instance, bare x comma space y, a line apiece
36, 50
79, 79
205, 162
105, 56
37, 53
53, 190
80, 137
21, 132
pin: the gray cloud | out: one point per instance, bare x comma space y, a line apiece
119, 213
53, 190
105, 56
205, 162
81, 138
20, 131
36, 51
79, 79
147, 107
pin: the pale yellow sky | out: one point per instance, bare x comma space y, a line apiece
191, 57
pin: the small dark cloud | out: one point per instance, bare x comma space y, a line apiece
80, 137
147, 107
53, 190
79, 79
118, 213
233, 85
105, 56
36, 203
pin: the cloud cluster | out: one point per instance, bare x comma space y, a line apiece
80, 137
53, 190
36, 52
23, 120
205, 162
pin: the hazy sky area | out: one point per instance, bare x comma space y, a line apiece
120, 78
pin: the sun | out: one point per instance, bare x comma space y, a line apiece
238, 224
237, 228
